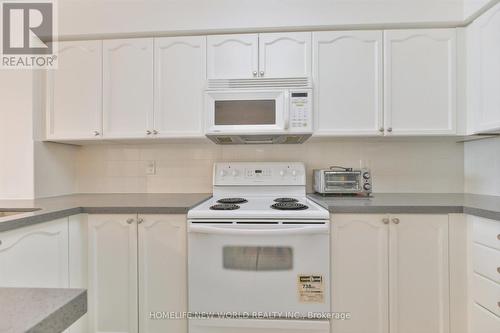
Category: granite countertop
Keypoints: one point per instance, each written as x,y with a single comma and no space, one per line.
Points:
57,207
414,203
179,203
40,310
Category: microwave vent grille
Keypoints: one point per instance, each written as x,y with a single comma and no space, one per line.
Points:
259,83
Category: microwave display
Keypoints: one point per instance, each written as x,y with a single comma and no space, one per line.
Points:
245,112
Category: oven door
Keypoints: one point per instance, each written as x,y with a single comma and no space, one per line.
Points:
245,268
258,326
246,112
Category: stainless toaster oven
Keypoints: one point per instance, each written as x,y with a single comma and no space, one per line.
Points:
340,180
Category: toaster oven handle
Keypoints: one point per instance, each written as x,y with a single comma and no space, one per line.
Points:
303,230
333,167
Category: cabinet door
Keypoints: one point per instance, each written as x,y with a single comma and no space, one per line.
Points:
112,291
485,71
285,54
419,274
35,256
74,106
232,56
348,82
127,87
420,81
162,271
360,269
180,76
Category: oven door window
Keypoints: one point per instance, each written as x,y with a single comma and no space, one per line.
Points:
339,181
257,258
245,112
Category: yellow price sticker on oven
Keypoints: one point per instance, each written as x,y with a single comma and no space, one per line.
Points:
310,288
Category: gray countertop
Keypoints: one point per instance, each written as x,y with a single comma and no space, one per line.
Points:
414,203
180,203
40,310
62,206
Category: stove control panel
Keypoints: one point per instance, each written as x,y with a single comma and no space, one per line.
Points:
264,173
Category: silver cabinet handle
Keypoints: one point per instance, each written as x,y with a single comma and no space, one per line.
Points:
130,221
96,133
395,220
498,270
389,129
148,132
261,73
381,129
385,220
140,220
155,132
254,73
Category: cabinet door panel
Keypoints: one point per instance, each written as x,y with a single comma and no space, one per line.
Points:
420,81
162,271
360,273
180,79
35,256
232,56
348,83
127,87
74,105
112,273
285,54
419,274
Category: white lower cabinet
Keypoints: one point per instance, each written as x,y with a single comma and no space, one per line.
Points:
137,265
389,272
35,256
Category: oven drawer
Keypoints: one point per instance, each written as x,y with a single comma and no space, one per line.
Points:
257,326
486,262
486,232
486,293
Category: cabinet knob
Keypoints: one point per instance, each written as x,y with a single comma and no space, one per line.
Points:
130,221
0,242
395,220
155,132
148,132
261,73
381,129
389,129
385,220
498,236
254,73
96,133
498,270
140,220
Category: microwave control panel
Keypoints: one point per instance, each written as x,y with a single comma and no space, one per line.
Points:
300,110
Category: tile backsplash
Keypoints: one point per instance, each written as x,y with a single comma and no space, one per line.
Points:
397,166
482,166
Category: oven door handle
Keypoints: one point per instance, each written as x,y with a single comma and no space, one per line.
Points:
302,230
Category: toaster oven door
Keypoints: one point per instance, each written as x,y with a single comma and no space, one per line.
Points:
342,181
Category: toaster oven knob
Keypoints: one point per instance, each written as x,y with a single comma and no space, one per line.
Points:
366,175
367,187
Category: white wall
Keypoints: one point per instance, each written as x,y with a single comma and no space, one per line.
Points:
16,145
428,166
95,17
482,167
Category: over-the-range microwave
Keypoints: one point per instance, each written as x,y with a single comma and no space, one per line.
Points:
258,111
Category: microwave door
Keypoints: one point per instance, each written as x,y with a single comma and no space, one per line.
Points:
246,112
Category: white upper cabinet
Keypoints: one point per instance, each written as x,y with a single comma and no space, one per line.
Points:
74,105
180,74
232,56
419,274
348,83
127,87
285,54
420,81
484,72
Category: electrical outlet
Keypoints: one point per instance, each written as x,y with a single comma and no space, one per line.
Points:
151,168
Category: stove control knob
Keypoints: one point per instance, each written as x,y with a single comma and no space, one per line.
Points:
367,187
234,173
366,175
222,173
294,173
282,173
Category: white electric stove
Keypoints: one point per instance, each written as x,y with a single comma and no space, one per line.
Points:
258,253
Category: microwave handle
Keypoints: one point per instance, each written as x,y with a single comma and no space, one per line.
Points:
303,230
